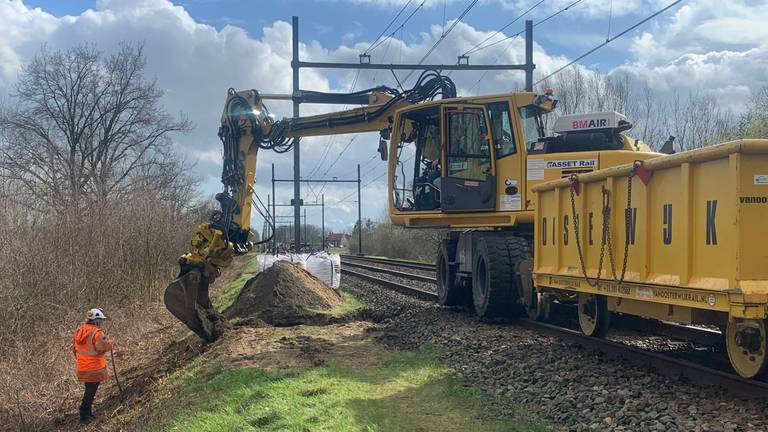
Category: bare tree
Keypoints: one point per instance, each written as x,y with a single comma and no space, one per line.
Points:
696,121
84,125
754,122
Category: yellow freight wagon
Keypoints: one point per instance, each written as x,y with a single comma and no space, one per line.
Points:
678,238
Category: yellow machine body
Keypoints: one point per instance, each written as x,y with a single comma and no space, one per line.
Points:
507,169
694,238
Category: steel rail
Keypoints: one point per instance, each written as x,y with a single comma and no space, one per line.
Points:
401,288
388,261
661,364
405,275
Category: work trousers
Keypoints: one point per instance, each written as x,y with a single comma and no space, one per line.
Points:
87,404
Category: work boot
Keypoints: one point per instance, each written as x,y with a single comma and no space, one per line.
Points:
87,417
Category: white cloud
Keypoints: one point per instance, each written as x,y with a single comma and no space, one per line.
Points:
707,47
703,45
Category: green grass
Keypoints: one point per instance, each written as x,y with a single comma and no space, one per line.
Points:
350,306
225,296
401,392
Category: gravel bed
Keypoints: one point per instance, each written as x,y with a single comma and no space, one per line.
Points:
625,331
533,376
427,286
430,273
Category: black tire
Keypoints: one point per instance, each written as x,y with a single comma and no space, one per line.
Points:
496,286
449,293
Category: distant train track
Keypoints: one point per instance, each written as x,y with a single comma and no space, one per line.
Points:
389,271
662,364
388,261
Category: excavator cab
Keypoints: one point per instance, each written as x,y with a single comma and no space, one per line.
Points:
468,178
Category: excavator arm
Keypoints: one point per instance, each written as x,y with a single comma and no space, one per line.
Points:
247,127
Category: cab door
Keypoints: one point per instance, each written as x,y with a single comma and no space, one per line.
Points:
468,180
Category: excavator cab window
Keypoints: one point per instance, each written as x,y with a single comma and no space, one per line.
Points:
501,126
418,161
530,120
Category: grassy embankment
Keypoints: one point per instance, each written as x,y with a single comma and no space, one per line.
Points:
400,391
378,391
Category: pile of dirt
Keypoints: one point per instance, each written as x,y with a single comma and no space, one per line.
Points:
283,295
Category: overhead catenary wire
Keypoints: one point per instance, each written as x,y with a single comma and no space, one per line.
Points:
475,48
535,25
330,167
479,80
443,36
332,138
388,26
609,40
400,27
370,182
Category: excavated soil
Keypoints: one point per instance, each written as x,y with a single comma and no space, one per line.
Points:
284,295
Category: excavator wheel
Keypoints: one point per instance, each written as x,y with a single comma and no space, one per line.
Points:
449,292
187,299
496,283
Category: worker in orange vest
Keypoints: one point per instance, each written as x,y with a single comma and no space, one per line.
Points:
89,344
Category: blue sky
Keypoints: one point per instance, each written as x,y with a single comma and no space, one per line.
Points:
196,49
337,22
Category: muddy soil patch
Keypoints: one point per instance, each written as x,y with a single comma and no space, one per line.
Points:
285,295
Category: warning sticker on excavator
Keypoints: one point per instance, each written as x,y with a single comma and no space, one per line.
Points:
536,169
510,202
761,179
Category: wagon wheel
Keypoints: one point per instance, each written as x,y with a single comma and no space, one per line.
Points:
594,316
746,344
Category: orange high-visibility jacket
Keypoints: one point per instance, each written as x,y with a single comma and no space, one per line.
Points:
89,343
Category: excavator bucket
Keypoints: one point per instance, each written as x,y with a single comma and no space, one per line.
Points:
187,299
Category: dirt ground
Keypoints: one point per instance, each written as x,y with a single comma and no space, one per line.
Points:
269,348
166,346
145,356
284,295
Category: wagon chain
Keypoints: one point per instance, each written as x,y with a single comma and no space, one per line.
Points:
606,216
606,233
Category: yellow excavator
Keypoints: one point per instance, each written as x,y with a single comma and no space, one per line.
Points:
456,163
587,216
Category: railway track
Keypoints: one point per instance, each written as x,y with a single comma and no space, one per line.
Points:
661,364
388,261
392,272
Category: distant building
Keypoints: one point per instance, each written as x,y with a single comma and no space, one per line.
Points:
336,240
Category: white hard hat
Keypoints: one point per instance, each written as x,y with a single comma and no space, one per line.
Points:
94,314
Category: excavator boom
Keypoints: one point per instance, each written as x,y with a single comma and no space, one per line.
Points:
247,127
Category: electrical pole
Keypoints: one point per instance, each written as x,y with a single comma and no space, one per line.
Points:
296,141
322,210
274,211
529,66
359,214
